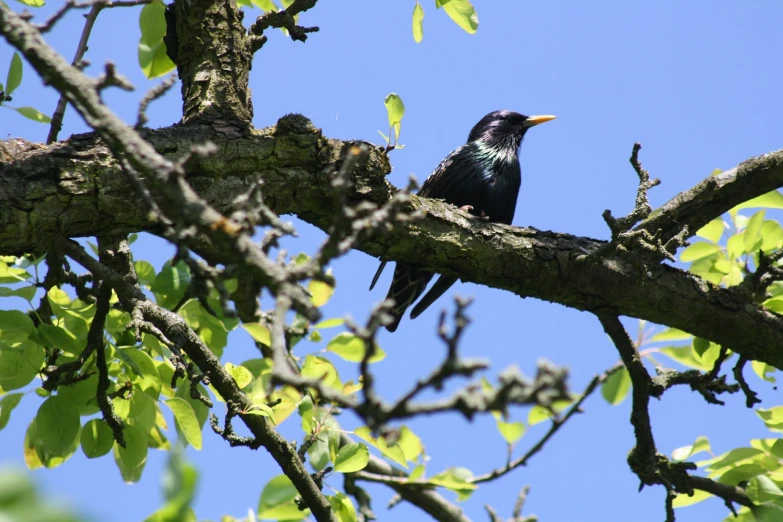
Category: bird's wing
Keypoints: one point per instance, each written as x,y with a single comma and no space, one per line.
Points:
378,274
438,289
408,284
441,183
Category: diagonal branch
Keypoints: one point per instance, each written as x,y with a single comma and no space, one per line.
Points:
176,329
651,467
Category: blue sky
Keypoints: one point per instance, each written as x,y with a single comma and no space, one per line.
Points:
695,82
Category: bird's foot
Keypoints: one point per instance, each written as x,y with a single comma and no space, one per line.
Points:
472,211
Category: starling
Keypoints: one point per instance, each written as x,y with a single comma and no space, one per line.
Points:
482,177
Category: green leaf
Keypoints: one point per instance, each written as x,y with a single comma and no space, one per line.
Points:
14,77
351,458
7,405
342,507
210,329
772,199
15,326
700,346
685,356
418,26
56,337
393,452
615,388
455,479
410,443
511,431
463,14
706,269
713,230
26,292
143,412
698,251
395,110
34,114
352,348
730,459
145,273
153,59
186,420
132,458
32,3
144,371
277,501
58,425
671,334
12,274
265,5
539,414
320,368
702,444
19,366
320,292
763,370
761,489
240,374
172,282
259,333
741,473
96,439
417,472
772,417
330,323
752,234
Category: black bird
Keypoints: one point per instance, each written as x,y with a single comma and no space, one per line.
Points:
481,176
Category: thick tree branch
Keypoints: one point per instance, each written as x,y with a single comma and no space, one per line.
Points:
76,189
715,195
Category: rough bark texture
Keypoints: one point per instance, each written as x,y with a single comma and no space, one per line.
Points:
76,189
207,41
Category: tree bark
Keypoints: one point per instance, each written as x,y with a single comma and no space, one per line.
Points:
76,189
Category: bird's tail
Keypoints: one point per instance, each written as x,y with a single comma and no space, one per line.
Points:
407,285
438,289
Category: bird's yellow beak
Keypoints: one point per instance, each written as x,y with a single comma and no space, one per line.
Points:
535,120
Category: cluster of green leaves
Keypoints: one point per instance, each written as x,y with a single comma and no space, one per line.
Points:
12,82
69,418
461,12
726,252
758,467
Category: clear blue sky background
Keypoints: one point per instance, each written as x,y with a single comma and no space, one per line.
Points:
697,83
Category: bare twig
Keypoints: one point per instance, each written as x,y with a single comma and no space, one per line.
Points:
642,208
751,397
81,48
95,343
557,423
285,19
152,95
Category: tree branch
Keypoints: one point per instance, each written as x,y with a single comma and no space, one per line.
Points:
37,201
651,467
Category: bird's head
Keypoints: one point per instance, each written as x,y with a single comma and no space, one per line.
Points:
504,129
